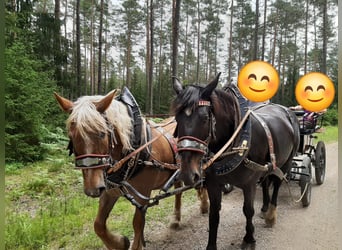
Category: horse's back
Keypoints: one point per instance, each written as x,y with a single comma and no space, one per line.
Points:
164,149
284,128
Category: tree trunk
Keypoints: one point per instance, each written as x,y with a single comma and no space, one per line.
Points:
78,50
99,71
175,35
230,59
325,37
65,72
275,34
151,57
57,43
91,63
185,63
161,58
264,32
256,30
198,39
306,36
148,54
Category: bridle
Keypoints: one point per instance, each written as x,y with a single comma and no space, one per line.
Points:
93,161
190,143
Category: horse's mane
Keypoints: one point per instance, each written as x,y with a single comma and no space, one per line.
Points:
87,119
188,98
224,105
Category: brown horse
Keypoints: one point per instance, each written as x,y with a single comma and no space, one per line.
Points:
106,134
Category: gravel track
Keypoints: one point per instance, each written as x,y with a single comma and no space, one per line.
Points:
310,228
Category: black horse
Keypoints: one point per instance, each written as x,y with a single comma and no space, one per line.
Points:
264,138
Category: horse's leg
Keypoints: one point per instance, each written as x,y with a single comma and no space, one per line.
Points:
106,203
138,225
215,198
271,214
248,210
177,209
265,194
202,195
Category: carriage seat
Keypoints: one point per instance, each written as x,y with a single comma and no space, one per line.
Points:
307,121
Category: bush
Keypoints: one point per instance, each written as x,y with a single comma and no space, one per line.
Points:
330,118
28,102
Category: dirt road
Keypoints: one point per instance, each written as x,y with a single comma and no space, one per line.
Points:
311,228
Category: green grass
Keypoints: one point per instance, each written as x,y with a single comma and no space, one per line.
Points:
329,134
47,209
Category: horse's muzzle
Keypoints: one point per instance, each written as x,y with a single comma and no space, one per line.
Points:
190,171
94,192
190,178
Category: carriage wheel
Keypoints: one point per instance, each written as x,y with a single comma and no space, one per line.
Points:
320,162
305,182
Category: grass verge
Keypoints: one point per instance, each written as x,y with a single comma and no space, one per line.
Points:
47,209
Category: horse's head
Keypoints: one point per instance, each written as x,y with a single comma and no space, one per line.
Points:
90,138
195,127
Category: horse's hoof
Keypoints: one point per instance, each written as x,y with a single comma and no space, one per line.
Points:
271,216
262,215
204,210
245,245
270,222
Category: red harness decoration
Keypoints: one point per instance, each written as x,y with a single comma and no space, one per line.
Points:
203,103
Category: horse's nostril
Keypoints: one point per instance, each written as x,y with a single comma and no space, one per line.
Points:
101,189
197,177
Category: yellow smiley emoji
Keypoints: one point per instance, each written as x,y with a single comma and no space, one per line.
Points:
315,91
258,81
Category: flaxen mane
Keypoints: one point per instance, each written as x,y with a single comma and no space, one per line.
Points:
86,119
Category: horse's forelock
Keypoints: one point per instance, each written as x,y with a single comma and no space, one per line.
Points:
188,98
86,119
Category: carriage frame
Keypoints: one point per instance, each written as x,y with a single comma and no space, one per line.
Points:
309,155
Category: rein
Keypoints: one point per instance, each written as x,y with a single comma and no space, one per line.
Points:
235,134
119,164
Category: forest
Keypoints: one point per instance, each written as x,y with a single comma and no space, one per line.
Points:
89,47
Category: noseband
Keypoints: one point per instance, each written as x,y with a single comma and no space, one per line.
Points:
190,143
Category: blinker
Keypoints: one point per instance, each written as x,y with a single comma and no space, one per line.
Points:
188,143
92,161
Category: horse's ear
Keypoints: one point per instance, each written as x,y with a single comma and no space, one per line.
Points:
210,87
177,85
104,103
64,103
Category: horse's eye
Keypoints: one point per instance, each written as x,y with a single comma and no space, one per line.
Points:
188,111
102,135
206,118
